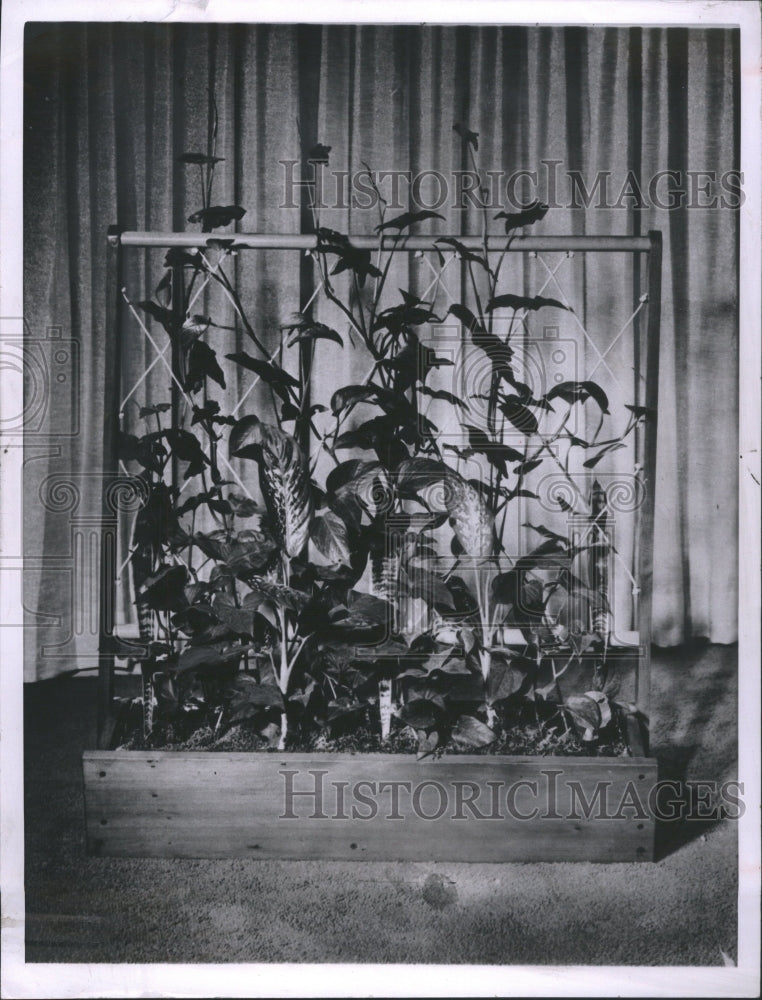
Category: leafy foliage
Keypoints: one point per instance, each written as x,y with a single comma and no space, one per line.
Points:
288,604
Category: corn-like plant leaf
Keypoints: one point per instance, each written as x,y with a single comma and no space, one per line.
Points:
471,519
283,475
496,453
271,373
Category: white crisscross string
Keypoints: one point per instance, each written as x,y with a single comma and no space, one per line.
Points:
257,378
565,300
641,303
185,396
206,280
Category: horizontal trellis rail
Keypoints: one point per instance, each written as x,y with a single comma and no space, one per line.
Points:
118,240
309,241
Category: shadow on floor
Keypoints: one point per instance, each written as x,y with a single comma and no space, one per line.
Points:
679,911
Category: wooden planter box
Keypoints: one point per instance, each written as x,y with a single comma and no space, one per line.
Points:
368,807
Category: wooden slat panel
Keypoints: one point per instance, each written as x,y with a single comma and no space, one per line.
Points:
214,805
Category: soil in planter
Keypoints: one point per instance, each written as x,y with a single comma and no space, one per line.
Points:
525,736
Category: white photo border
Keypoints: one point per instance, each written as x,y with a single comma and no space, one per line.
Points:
40,980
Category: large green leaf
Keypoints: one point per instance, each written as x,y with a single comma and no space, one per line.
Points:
445,663
217,215
187,447
532,302
275,376
573,392
470,516
470,732
331,537
416,474
421,713
283,475
248,697
348,473
504,679
496,453
162,315
249,552
532,213
202,364
408,219
310,331
585,711
198,657
519,415
350,395
164,590
462,251
277,593
498,352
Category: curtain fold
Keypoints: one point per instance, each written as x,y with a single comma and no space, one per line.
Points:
109,107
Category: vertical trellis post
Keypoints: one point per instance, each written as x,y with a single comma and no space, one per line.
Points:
178,316
111,419
645,560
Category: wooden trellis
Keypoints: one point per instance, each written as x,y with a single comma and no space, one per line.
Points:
645,317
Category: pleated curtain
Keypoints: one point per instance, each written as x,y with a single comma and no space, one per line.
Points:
109,108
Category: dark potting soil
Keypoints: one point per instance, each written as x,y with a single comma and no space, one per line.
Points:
523,739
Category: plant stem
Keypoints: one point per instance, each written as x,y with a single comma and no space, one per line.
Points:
385,706
283,676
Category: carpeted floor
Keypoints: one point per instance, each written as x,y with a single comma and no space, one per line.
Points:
679,911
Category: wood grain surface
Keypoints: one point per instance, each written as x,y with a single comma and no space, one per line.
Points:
371,807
